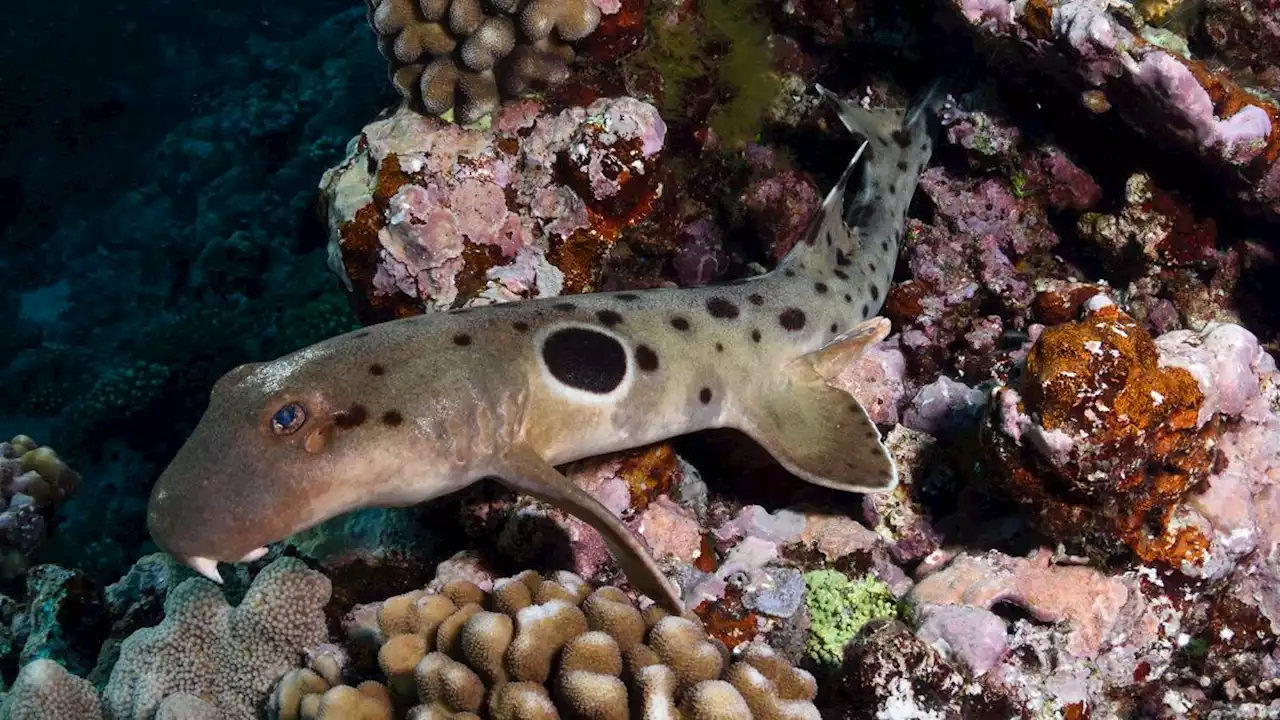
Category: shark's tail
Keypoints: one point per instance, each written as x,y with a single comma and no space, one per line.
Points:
897,145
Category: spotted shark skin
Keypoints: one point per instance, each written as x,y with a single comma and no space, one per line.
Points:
410,410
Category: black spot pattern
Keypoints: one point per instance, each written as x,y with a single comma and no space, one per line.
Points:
820,287
520,326
875,293
840,274
680,323
351,417
721,308
902,165
376,369
755,336
866,311
902,138
791,319
392,418
608,318
841,259
719,347
462,339
834,327
629,297
789,272
704,395
585,359
848,298
565,307
646,358
755,299
871,266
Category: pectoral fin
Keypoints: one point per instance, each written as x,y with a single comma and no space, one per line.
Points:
817,432
523,470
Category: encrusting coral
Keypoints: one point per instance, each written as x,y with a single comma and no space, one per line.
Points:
537,648
452,54
222,660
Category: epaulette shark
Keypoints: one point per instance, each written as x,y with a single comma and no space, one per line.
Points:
409,410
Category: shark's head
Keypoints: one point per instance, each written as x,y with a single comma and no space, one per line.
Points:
285,445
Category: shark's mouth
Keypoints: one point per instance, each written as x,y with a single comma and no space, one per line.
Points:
208,567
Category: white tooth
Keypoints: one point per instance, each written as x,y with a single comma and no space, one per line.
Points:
254,555
206,567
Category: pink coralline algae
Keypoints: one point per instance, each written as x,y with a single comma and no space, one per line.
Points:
424,213
1086,599
1089,48
780,206
965,260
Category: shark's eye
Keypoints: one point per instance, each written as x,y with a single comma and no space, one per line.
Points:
288,419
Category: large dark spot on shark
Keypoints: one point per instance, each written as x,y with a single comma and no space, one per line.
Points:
721,308
884,246
704,395
755,335
834,327
902,165
865,310
902,137
841,259
462,339
871,266
755,299
392,418
565,307
848,298
629,297
376,369
789,272
585,359
820,287
520,326
840,274
791,319
719,347
875,293
353,416
679,323
860,213
646,358
608,318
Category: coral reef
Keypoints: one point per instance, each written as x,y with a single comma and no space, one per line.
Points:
221,658
33,482
1100,440
1100,52
464,56
429,214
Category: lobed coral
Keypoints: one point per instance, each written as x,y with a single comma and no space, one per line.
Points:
535,647
466,56
33,481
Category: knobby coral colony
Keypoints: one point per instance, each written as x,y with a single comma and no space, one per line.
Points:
453,55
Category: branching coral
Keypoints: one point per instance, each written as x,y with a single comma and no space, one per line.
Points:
542,648
452,54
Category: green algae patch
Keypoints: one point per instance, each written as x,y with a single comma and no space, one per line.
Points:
724,47
838,608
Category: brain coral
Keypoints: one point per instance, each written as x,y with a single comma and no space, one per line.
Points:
45,690
537,648
222,660
452,54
